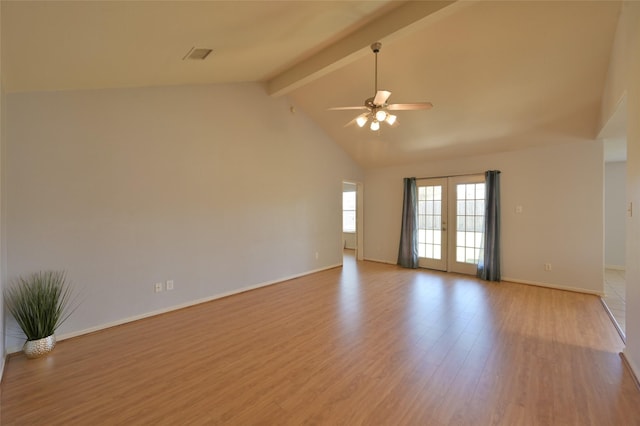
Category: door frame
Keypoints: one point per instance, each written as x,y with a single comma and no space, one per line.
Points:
448,263
452,264
359,217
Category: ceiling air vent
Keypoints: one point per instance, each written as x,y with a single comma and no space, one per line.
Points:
197,53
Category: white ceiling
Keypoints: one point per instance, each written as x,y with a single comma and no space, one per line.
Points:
58,45
501,75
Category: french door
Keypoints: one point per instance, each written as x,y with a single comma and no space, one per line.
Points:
432,223
450,223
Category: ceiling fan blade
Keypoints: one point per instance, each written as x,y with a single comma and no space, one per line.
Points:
408,107
347,108
381,97
350,123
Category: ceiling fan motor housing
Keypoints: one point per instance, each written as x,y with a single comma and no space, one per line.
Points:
370,104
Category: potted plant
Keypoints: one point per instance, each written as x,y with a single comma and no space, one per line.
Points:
40,303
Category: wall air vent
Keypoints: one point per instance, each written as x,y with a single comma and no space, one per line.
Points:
197,53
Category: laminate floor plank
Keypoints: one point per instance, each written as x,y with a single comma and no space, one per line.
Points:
365,344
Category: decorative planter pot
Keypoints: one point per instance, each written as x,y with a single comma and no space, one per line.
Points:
40,347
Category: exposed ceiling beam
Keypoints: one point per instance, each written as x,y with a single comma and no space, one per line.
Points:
401,20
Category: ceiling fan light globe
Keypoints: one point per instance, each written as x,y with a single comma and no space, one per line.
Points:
391,119
361,120
375,125
381,115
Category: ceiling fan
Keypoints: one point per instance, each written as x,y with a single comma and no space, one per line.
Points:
377,108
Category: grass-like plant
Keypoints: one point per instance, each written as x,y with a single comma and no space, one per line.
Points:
40,303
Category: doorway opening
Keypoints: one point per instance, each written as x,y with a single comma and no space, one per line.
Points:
616,212
352,219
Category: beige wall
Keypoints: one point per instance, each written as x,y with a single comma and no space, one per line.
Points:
615,84
561,223
615,213
2,227
623,80
218,188
631,60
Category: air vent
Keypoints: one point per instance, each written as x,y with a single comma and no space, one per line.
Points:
197,53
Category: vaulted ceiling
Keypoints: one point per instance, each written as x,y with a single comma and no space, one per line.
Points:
501,75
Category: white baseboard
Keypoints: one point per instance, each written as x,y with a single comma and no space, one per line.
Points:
633,369
3,361
180,306
554,286
615,267
514,280
369,259
613,320
253,287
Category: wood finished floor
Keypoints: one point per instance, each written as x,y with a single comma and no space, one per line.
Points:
364,344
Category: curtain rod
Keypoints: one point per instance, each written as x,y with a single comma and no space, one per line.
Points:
448,176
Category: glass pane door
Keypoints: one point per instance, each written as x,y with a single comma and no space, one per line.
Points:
458,201
432,220
468,206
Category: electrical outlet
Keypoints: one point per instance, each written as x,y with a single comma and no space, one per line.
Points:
547,266
169,285
317,255
158,287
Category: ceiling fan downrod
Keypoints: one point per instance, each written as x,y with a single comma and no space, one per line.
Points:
375,47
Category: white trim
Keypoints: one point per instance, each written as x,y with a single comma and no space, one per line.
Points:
633,369
615,267
513,280
613,320
3,362
555,286
359,221
368,259
180,306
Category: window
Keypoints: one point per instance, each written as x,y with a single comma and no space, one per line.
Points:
348,212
